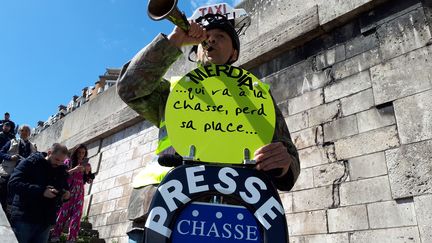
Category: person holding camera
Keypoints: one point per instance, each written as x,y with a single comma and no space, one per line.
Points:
70,213
39,186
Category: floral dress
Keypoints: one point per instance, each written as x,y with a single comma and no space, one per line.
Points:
71,211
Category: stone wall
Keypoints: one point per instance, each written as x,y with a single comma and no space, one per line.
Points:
353,79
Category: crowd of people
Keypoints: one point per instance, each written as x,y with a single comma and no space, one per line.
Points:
42,193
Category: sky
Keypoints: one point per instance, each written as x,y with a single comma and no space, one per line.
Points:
51,49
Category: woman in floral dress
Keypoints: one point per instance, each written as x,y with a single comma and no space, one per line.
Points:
71,211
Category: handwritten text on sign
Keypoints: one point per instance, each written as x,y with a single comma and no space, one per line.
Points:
221,110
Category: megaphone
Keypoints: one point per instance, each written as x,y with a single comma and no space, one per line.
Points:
167,9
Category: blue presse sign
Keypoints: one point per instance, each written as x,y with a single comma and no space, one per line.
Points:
215,223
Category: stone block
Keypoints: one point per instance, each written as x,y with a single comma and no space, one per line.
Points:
102,175
365,191
316,80
95,187
123,239
316,155
100,197
271,43
356,64
115,192
7,235
117,217
367,166
95,209
414,116
321,238
87,203
283,107
308,137
324,113
95,162
347,219
124,157
122,203
357,102
100,220
375,118
391,214
305,101
361,44
286,198
305,180
329,57
127,189
423,208
365,143
107,184
340,128
108,206
404,34
314,222
325,59
297,122
104,231
141,150
118,169
313,199
93,148
332,10
109,153
293,77
3,219
409,169
123,147
395,235
402,76
118,229
325,175
123,179
347,86
107,164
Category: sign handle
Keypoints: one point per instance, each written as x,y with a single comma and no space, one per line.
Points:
191,156
247,160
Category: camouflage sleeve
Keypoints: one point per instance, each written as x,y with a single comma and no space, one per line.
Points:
282,134
141,84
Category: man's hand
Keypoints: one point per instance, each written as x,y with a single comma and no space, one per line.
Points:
194,36
15,157
50,192
273,156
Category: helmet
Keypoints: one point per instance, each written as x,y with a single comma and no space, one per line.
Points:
218,21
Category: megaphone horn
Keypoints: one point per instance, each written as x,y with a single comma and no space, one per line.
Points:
167,9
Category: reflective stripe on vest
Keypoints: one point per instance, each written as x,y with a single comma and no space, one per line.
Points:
150,175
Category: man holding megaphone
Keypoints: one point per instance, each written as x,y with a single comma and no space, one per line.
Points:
142,86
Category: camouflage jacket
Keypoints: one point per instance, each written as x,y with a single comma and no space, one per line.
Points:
142,86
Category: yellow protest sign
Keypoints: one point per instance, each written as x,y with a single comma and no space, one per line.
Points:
221,110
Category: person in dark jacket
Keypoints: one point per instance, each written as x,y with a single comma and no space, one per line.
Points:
8,120
10,155
6,135
39,185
